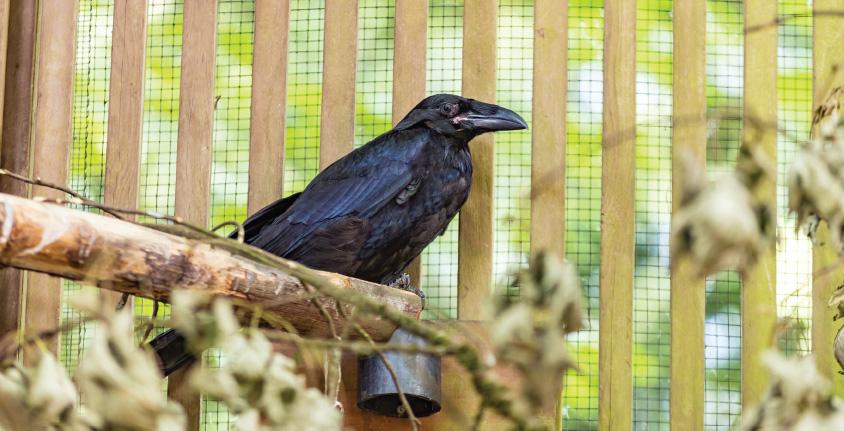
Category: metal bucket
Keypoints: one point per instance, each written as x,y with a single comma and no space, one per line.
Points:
418,376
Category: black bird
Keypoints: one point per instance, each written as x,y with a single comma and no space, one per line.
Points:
370,213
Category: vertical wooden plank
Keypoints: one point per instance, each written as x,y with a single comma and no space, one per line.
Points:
409,75
474,256
18,65
125,111
548,146
193,154
56,48
615,388
269,100
688,292
826,265
337,118
548,150
759,283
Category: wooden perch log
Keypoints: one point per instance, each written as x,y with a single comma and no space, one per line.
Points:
126,257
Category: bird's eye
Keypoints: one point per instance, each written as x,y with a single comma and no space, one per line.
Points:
449,109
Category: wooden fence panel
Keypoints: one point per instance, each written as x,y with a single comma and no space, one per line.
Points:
55,54
759,284
474,256
337,119
126,108
269,102
615,350
19,18
688,292
193,154
409,73
828,56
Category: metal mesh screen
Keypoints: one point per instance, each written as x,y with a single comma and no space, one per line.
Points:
444,73
89,126
583,201
651,295
513,149
376,23
374,74
304,93
724,86
230,156
794,250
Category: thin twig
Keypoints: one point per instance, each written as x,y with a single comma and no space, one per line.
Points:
82,200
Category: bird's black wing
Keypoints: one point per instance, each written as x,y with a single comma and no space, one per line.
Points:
358,185
252,226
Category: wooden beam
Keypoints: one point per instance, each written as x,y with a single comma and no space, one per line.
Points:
409,73
193,154
759,283
56,48
125,257
618,191
828,55
18,65
269,100
474,256
337,119
548,140
548,148
688,292
126,107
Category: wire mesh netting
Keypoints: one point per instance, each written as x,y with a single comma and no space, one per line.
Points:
513,149
794,250
722,329
304,93
444,75
87,154
230,156
374,74
583,201
651,295
376,25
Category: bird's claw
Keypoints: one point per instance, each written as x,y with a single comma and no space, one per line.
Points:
404,283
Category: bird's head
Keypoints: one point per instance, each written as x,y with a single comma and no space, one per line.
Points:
460,117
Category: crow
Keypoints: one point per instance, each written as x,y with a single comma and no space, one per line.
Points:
370,213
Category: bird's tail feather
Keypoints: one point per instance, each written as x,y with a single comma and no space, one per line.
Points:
172,351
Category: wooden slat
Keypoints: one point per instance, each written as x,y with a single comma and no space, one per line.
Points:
615,389
269,100
126,106
548,151
688,292
759,283
193,156
826,265
18,64
409,76
337,119
474,256
52,140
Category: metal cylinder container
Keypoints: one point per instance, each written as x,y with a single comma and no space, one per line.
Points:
418,376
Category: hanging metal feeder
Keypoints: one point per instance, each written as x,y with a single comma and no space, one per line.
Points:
418,376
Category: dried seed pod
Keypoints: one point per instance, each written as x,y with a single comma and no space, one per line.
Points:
799,399
529,331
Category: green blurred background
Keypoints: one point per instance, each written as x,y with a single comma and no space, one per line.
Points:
512,165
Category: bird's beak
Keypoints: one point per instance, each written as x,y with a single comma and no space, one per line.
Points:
486,117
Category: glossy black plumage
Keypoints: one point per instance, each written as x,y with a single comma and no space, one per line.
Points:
370,213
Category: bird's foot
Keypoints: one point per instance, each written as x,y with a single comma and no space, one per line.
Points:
404,283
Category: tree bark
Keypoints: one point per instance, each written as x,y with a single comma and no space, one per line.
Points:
125,257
